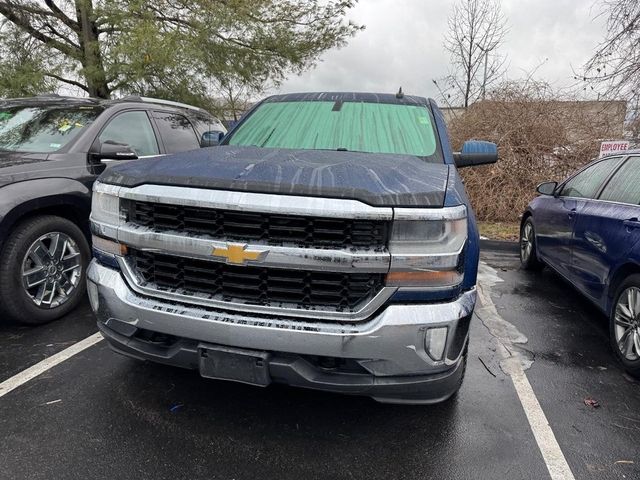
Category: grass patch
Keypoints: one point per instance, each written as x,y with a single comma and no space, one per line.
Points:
500,230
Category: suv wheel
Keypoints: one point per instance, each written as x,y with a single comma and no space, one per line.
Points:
624,325
43,270
528,252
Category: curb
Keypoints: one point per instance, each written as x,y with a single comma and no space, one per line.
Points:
500,245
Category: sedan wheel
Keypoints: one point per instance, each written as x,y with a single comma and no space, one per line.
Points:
526,242
627,324
528,253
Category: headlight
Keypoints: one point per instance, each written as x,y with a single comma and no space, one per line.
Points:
105,205
428,237
426,245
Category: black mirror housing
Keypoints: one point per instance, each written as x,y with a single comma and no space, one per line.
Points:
476,152
110,150
547,188
211,138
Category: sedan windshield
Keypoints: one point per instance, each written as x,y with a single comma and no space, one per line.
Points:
42,128
349,125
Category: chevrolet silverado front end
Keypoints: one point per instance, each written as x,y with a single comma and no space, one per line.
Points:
299,261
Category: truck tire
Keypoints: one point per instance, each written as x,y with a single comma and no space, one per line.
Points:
43,266
624,324
528,251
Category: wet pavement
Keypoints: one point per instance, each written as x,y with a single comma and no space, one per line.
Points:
99,415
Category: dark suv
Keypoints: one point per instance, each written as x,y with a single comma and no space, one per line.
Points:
52,148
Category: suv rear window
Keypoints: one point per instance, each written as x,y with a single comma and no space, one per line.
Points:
352,126
42,128
176,132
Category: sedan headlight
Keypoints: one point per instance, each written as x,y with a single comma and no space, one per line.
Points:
105,205
426,245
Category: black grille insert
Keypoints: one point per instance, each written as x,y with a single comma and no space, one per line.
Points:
257,285
273,229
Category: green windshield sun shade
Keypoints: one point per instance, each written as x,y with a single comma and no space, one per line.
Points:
354,126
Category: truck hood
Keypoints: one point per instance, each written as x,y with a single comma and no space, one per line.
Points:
376,179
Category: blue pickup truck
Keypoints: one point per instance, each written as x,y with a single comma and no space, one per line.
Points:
327,243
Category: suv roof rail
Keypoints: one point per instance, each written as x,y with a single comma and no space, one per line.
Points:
48,97
138,98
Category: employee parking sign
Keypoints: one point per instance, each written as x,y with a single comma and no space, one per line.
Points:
612,147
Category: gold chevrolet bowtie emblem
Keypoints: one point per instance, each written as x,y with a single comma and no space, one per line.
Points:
237,254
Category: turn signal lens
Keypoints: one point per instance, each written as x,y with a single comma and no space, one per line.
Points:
446,278
108,246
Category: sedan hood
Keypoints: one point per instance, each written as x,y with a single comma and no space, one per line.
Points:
376,179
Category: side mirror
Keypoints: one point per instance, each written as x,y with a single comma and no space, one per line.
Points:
110,150
547,188
476,152
211,138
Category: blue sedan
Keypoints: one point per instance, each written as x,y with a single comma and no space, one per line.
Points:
588,230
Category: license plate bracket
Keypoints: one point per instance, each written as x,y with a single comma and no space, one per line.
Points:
235,364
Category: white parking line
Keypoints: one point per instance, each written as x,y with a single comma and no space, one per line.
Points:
511,364
50,362
551,452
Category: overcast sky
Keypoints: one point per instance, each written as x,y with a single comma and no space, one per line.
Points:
402,45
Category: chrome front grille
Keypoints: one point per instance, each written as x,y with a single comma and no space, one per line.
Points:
267,228
342,292
277,255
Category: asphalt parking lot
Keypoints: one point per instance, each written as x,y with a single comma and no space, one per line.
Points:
99,415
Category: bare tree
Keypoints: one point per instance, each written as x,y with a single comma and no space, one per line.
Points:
616,62
476,29
233,97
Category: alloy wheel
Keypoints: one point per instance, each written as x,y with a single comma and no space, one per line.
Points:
627,323
526,241
51,269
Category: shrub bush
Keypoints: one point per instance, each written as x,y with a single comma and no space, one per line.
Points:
541,136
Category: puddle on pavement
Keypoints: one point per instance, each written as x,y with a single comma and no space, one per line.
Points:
504,332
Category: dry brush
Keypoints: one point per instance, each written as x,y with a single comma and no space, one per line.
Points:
540,135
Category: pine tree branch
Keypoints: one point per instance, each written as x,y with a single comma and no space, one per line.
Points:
11,13
68,81
60,15
61,36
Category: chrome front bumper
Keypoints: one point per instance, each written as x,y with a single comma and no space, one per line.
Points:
390,346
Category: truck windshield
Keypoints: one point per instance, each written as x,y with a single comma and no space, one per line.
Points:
351,126
42,128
